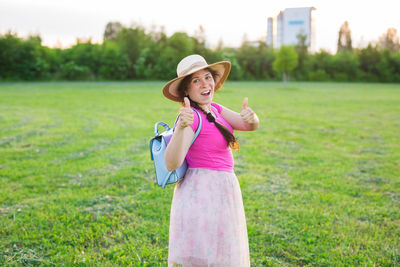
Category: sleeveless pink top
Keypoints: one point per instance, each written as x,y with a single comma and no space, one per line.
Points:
210,150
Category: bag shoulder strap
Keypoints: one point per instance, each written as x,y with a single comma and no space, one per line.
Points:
198,127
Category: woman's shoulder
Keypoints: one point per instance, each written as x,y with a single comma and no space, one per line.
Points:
217,106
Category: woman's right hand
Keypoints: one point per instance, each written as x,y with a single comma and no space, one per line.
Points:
181,139
186,115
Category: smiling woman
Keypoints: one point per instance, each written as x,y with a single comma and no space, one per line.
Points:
207,221
198,88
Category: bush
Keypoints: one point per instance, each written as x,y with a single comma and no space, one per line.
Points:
340,77
134,53
318,75
114,64
21,59
72,71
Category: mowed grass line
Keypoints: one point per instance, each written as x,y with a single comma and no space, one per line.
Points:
320,178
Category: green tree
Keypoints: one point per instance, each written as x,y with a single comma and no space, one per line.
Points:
178,46
144,67
389,66
302,51
345,66
227,54
286,60
390,40
318,66
150,63
344,41
395,62
369,60
112,30
21,59
71,71
84,54
255,59
199,42
182,44
114,64
132,41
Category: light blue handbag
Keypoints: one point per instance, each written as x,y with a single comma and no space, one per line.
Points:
157,150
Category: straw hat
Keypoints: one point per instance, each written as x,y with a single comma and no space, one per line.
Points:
190,65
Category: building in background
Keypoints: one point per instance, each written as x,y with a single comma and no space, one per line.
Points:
270,31
284,29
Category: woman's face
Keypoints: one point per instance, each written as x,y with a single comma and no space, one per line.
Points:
201,87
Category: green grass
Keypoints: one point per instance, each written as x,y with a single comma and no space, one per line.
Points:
320,178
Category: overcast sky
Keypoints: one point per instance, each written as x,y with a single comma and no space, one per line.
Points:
62,21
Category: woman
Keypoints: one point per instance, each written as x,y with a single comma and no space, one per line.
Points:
207,222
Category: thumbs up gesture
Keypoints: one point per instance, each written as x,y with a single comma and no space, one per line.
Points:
248,115
186,115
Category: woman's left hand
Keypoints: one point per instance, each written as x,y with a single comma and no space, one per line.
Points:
248,114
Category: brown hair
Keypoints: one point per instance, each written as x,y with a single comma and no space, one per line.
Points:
228,136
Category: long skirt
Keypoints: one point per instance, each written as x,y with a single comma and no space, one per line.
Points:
207,221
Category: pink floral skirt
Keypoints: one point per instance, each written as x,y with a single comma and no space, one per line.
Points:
207,222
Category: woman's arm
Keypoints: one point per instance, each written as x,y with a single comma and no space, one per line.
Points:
181,139
247,120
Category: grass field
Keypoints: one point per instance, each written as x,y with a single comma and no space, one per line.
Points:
320,179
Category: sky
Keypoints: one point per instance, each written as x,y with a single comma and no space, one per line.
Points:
61,22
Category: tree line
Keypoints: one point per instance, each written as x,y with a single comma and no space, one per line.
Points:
136,53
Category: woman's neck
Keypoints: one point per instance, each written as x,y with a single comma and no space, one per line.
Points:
206,107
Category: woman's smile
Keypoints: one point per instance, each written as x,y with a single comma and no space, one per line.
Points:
201,87
206,93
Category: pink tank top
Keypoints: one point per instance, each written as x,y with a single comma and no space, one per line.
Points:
210,150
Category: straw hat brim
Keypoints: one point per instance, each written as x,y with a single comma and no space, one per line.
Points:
222,68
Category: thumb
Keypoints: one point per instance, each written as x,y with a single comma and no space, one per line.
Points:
245,101
187,102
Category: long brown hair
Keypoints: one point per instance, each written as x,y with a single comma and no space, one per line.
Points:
182,91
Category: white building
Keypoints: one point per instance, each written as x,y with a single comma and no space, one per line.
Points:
270,30
283,30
